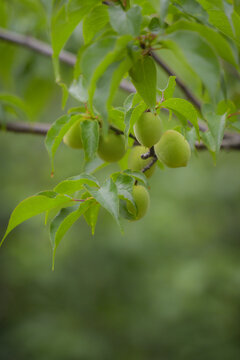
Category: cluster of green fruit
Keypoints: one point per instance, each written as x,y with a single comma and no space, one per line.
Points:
170,147
111,148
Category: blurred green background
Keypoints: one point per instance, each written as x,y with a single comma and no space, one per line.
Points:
168,289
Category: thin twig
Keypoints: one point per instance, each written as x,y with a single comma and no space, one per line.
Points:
189,95
150,153
149,165
82,200
234,114
120,132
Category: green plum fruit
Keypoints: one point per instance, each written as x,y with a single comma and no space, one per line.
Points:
142,200
73,137
148,129
111,147
173,149
135,162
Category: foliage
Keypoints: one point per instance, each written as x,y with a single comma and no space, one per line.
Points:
115,41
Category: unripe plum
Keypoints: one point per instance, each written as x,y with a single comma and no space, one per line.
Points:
135,162
173,149
73,137
142,200
148,129
111,147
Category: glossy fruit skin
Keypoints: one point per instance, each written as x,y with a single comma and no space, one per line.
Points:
148,129
73,137
135,162
173,149
142,200
111,147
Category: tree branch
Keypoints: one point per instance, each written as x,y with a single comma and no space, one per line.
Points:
39,128
25,127
189,95
35,45
120,132
41,47
230,142
70,59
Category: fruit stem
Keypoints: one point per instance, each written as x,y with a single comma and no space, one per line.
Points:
149,165
82,200
150,153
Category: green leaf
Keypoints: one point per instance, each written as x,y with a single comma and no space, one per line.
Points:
160,165
124,185
216,124
94,22
236,4
236,23
144,78
65,94
103,65
91,216
51,214
95,165
183,108
200,57
208,140
132,116
63,24
107,86
137,175
16,103
126,22
216,40
116,116
56,133
90,138
170,88
191,137
107,197
77,110
128,101
78,91
217,17
62,223
118,75
124,211
33,206
164,5
149,7
101,94
123,162
114,56
3,14
75,183
155,25
226,106
93,56
77,67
